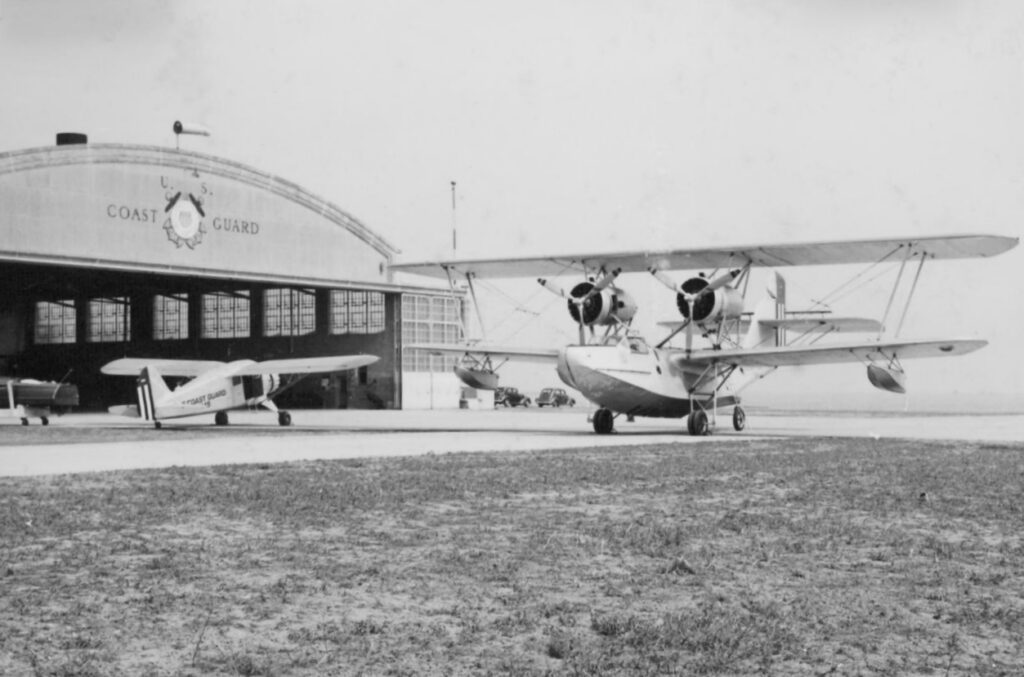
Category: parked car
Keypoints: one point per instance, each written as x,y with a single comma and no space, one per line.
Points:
554,397
510,397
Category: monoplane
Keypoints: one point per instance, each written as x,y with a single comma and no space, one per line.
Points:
215,387
620,372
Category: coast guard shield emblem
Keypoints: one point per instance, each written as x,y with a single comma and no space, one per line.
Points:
184,225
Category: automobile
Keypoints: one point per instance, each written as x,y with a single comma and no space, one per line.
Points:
510,397
554,397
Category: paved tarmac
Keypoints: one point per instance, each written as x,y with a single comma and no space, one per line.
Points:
98,442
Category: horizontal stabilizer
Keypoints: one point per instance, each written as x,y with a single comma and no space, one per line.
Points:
825,354
307,365
493,351
130,410
132,366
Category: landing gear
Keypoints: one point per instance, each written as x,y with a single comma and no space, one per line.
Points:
220,418
24,421
158,425
44,420
739,418
284,418
697,423
604,421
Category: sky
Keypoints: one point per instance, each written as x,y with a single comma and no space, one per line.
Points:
582,126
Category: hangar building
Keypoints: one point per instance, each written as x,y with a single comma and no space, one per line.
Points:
114,250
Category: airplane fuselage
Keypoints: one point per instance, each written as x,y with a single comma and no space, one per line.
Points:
633,378
214,391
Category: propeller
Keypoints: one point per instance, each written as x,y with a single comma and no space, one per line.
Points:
580,301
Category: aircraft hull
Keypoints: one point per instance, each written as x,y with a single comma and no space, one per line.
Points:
642,384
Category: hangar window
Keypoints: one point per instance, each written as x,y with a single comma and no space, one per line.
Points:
55,322
170,317
356,312
109,319
226,315
430,319
289,312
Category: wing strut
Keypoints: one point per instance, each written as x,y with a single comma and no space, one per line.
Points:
913,287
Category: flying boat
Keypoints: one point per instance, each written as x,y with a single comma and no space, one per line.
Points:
624,374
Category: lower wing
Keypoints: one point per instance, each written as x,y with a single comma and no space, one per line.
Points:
492,351
864,351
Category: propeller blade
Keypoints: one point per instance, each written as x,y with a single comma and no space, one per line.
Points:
663,278
602,284
689,327
552,287
721,281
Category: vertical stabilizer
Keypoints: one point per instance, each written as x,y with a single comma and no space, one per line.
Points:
150,389
780,309
771,307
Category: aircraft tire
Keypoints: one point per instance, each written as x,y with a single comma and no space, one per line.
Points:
220,418
739,418
44,420
604,421
697,423
158,425
24,421
284,418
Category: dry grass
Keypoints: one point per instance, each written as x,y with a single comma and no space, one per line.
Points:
802,557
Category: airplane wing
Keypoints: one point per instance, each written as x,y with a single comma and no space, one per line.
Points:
131,366
824,323
825,354
498,352
306,365
771,255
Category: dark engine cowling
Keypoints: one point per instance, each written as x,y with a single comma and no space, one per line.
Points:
709,308
609,306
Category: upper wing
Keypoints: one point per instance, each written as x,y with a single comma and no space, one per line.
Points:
131,366
307,365
773,255
498,352
825,354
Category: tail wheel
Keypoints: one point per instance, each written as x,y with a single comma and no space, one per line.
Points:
284,418
604,421
739,419
220,418
697,423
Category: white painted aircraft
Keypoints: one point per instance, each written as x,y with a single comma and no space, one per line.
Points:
622,374
216,387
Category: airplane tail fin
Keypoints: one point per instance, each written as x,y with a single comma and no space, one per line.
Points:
773,306
150,389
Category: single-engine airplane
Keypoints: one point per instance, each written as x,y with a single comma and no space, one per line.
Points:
26,398
622,374
216,387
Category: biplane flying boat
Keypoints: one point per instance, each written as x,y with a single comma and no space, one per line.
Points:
215,387
621,373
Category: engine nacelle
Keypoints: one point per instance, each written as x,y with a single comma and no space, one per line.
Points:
710,308
608,307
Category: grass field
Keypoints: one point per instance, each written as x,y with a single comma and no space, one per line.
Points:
807,557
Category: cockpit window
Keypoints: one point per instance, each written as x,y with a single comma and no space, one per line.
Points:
638,346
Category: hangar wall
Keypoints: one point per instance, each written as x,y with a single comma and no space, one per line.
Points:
140,207
106,246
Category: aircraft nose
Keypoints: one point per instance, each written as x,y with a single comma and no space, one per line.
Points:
564,368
